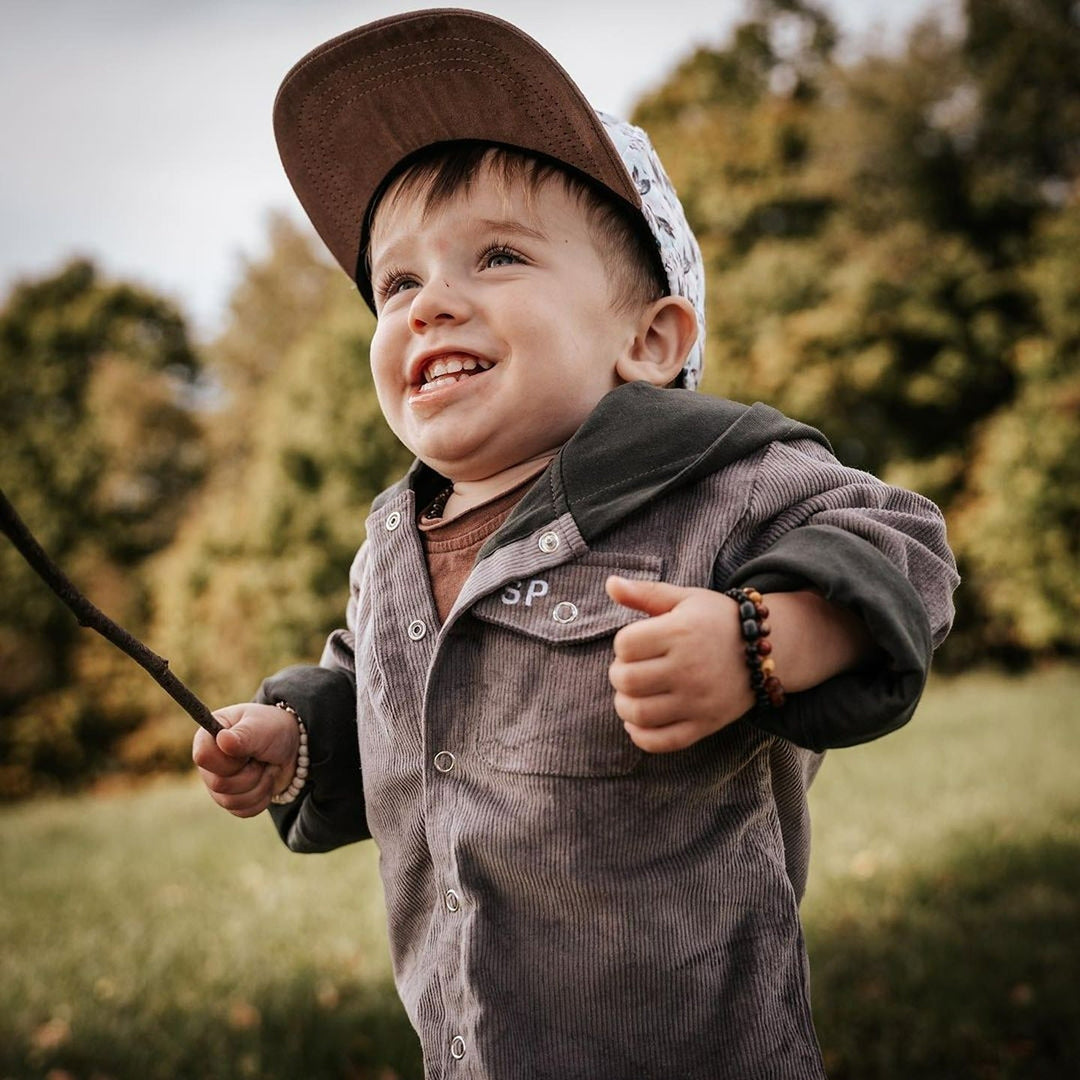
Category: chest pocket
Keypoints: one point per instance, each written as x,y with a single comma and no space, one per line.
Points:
548,706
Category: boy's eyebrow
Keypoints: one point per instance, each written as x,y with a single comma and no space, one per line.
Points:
508,226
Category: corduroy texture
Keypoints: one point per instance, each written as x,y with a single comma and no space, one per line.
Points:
617,914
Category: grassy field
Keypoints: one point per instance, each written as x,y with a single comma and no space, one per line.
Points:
148,935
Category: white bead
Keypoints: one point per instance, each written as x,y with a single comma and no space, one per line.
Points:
300,772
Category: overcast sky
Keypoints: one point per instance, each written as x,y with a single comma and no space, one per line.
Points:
138,131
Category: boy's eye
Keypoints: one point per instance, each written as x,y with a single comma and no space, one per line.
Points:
500,256
394,282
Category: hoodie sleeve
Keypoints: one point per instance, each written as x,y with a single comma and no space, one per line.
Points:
879,550
329,811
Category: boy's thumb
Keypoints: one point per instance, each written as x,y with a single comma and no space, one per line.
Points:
650,597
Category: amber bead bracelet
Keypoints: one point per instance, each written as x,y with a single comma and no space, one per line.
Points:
768,691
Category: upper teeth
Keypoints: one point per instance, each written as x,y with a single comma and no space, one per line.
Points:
451,365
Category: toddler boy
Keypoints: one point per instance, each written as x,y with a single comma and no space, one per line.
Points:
599,636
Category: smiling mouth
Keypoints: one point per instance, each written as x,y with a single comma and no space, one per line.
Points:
445,370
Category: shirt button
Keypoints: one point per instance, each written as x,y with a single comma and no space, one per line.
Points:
453,901
444,761
548,542
393,520
457,1048
417,630
564,612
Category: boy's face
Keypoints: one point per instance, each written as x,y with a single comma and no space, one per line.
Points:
496,332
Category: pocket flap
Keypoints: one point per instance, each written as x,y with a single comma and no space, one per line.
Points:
568,603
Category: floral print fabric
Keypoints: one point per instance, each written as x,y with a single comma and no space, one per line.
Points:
679,251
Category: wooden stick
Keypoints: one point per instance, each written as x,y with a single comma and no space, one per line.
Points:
89,615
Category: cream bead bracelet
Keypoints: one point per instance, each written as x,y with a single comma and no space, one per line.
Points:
299,778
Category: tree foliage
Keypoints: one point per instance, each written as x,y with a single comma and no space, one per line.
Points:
101,450
892,247
1018,519
892,253
259,575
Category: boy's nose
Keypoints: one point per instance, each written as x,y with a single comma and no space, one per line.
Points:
438,301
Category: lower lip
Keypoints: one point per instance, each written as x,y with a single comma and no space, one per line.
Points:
418,397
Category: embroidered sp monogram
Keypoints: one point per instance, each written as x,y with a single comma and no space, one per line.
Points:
534,589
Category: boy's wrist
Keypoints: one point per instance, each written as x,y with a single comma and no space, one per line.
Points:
814,639
294,777
753,613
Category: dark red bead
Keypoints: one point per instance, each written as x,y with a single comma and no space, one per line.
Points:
763,647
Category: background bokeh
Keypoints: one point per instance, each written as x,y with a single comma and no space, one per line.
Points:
138,131
888,200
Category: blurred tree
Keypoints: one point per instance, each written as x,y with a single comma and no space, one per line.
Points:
1020,106
1018,521
892,247
886,255
277,300
259,574
101,450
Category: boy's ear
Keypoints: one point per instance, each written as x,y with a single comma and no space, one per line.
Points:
667,330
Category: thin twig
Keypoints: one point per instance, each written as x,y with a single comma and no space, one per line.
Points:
89,615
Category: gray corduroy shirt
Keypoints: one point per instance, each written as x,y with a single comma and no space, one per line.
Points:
560,903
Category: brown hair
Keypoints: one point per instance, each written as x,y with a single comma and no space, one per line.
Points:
437,173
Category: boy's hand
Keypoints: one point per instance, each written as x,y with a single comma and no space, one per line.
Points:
251,760
679,675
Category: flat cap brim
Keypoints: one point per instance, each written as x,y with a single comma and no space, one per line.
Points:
351,111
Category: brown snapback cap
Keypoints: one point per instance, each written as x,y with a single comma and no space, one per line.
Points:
354,108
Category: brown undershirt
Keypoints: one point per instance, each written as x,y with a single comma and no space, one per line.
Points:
451,547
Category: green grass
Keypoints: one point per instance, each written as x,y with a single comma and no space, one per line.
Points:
150,935
943,910
147,934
